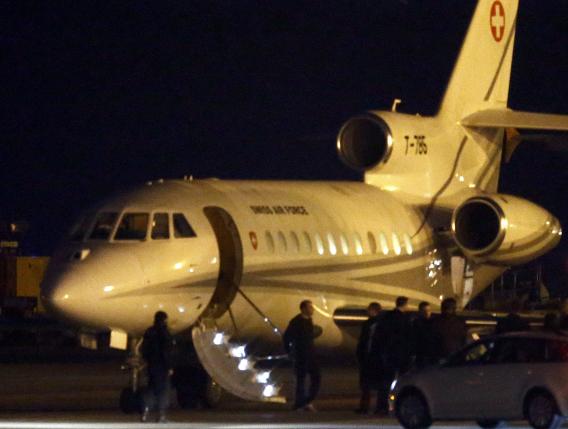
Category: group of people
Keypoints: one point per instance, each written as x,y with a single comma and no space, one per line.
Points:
392,342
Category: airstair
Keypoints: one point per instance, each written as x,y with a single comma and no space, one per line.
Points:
233,367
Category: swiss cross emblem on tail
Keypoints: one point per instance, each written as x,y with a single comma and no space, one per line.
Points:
497,20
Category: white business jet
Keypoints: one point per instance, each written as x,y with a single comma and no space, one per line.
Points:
231,260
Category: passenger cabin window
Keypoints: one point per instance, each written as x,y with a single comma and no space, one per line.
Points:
384,243
269,241
408,244
104,224
358,243
182,228
295,242
319,244
282,245
331,244
160,226
344,244
518,350
396,244
133,226
307,242
476,354
372,242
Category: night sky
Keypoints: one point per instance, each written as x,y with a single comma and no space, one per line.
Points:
97,96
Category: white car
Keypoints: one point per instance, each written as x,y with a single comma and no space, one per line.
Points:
508,377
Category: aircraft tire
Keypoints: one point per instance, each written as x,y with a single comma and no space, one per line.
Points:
130,401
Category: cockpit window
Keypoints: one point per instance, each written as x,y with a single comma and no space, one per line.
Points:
104,225
81,228
160,227
133,226
182,228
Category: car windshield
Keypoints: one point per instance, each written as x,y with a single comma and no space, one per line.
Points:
133,226
104,224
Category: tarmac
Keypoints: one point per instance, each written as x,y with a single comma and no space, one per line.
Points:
58,390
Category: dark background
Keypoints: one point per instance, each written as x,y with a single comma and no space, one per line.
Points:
97,96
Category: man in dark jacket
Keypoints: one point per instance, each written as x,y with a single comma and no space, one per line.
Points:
367,357
157,349
512,322
394,338
421,334
449,332
299,344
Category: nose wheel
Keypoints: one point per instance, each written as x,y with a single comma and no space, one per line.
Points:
131,396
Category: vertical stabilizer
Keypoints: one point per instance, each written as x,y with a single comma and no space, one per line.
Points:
480,78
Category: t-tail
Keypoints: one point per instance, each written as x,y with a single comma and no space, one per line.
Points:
449,163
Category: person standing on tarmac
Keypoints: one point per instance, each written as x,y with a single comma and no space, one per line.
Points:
299,344
448,331
512,322
368,358
421,334
395,344
157,348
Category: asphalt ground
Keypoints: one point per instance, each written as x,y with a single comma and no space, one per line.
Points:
74,391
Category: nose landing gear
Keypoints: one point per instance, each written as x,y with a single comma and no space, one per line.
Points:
131,397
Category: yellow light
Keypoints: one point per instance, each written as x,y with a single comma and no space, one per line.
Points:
178,265
390,188
108,288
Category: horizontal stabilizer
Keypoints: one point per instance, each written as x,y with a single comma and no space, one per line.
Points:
502,118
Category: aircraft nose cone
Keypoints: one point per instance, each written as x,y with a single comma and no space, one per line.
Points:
63,292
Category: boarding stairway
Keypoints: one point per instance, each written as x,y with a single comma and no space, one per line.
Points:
233,367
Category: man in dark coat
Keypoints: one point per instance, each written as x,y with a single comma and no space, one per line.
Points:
421,334
449,332
367,357
299,344
512,322
394,338
157,349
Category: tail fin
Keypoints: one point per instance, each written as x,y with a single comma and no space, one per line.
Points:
480,78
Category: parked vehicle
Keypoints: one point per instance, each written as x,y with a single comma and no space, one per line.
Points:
509,377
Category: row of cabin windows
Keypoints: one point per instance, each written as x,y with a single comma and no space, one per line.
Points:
133,226
333,244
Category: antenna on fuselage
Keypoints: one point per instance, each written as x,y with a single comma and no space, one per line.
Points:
395,103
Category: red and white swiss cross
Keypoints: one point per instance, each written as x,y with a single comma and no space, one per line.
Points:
497,20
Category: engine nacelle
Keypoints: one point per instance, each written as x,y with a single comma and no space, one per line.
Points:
364,142
503,229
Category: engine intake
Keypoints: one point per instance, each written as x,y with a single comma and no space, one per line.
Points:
364,142
503,229
478,225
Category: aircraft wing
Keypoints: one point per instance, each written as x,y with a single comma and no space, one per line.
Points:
504,118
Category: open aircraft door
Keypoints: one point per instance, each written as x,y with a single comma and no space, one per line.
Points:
230,263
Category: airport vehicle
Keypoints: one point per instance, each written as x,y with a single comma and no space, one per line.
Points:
509,377
231,260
